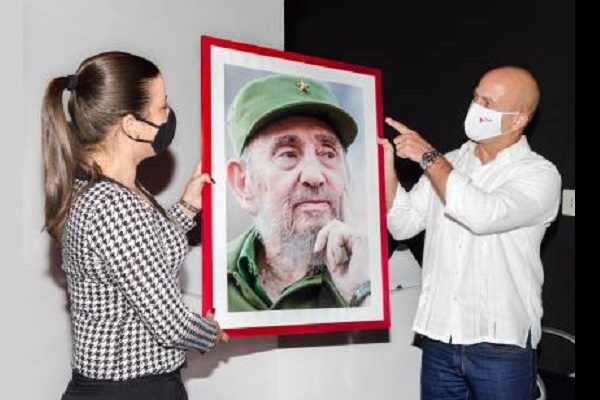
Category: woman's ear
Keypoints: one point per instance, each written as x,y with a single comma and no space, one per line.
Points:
237,176
128,124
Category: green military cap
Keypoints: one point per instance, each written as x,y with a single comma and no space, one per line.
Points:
275,97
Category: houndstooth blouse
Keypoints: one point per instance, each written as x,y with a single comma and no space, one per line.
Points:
122,259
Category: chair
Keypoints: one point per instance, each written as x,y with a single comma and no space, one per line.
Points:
568,381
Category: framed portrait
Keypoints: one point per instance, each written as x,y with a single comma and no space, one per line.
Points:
293,230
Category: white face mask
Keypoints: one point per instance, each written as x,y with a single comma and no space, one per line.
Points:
482,123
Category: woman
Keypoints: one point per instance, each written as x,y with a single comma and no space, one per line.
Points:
121,250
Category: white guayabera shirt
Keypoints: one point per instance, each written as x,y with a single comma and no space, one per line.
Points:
482,272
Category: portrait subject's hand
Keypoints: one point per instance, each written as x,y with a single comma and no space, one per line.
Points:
221,335
409,144
346,254
193,189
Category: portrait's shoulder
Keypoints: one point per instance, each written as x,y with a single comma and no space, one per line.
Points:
235,246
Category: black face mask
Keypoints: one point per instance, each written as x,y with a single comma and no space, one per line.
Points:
165,134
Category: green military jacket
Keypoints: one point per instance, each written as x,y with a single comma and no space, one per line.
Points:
246,293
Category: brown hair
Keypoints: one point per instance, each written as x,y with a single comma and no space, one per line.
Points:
105,88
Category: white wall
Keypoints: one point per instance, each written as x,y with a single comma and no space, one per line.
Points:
57,35
366,365
12,276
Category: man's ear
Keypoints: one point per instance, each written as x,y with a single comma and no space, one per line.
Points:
238,180
521,120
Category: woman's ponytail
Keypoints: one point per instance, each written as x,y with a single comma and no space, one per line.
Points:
61,153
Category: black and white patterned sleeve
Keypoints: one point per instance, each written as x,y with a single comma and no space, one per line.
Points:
122,231
186,223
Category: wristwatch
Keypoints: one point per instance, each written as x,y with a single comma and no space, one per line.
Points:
429,158
360,294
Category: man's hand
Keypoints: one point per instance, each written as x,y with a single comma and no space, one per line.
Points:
409,144
346,255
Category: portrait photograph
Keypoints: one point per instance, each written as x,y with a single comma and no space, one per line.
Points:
293,229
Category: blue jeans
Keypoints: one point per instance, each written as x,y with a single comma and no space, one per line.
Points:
483,371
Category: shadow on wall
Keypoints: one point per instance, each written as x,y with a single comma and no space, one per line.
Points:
55,270
203,365
341,338
55,265
156,173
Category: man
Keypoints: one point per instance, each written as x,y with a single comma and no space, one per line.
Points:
485,208
291,176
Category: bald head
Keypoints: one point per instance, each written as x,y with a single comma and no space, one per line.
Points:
515,87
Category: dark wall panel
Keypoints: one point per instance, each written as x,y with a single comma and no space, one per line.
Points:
432,55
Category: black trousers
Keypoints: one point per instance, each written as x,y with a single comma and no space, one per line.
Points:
155,387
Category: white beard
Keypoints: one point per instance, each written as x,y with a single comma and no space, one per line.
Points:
297,242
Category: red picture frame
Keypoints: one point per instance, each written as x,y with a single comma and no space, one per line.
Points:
226,67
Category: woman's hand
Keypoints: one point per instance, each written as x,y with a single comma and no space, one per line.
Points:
193,190
221,335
